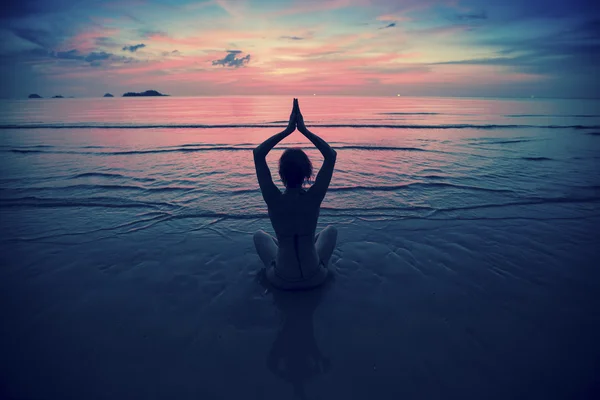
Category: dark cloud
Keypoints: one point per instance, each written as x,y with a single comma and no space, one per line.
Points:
38,37
471,16
134,48
53,37
35,53
393,24
321,54
171,53
147,33
69,55
566,59
94,58
579,65
578,40
562,54
587,30
230,60
97,56
105,41
291,37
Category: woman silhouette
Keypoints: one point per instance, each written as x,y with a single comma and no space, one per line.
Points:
297,259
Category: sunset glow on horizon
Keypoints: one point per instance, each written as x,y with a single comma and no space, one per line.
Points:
294,47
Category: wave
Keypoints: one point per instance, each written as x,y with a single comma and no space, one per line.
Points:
77,176
368,212
525,202
240,126
37,146
203,144
411,208
255,190
237,148
129,152
108,202
409,113
536,158
382,148
435,177
393,188
109,175
502,142
107,187
416,185
162,211
96,174
593,133
24,151
191,149
553,115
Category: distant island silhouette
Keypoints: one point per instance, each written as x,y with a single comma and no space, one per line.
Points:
108,95
149,93
35,96
58,97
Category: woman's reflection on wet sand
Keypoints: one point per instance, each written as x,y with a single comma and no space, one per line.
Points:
295,356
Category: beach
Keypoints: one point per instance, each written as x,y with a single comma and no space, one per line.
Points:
466,264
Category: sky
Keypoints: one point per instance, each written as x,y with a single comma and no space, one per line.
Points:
478,48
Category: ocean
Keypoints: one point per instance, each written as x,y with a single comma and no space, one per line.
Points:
466,264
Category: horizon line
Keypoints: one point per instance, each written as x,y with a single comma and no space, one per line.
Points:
295,96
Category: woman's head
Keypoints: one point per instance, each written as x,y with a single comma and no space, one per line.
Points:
295,168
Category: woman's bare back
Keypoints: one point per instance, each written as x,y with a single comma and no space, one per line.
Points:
294,218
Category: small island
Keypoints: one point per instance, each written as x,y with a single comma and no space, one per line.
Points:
108,95
35,96
58,97
147,93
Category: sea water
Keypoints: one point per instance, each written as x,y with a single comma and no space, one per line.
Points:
466,256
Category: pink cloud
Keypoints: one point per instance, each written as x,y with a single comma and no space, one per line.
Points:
394,18
86,41
208,39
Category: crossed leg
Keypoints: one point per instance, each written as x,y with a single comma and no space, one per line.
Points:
325,243
266,247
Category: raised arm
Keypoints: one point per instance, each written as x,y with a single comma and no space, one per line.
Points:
319,189
265,181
